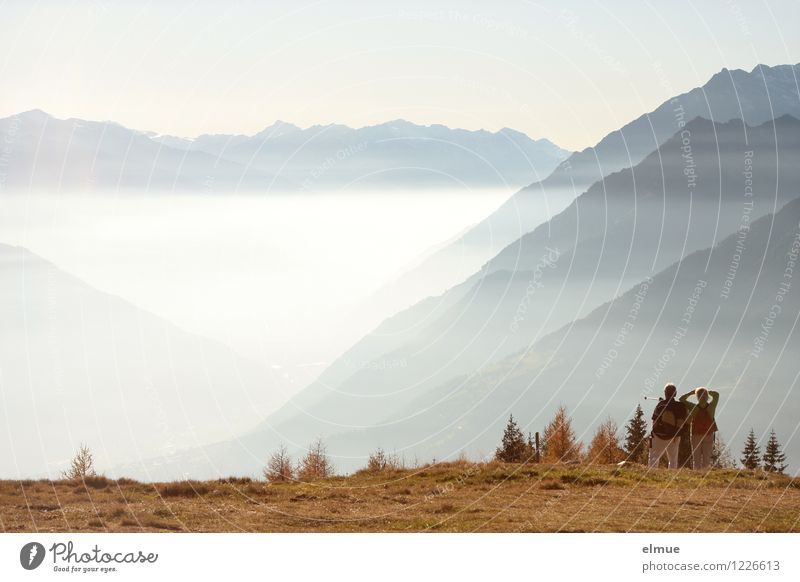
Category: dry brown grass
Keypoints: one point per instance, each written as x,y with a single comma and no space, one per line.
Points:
458,496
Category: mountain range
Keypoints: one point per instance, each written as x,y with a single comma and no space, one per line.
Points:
396,154
757,96
690,203
669,246
709,319
44,152
631,226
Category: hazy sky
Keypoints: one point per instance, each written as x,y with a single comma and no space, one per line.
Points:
567,71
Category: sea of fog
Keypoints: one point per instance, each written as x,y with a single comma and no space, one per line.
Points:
278,278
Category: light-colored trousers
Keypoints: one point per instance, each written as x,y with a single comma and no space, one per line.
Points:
660,446
702,445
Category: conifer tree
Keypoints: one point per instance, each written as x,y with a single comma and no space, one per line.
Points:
636,443
774,459
513,448
751,454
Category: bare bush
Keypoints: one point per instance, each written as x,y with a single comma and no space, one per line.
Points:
381,461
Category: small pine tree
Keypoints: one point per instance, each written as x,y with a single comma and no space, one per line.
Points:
774,459
636,442
720,455
315,465
751,454
82,465
604,448
279,467
513,448
560,442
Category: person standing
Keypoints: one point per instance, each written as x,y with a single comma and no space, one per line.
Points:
703,423
669,418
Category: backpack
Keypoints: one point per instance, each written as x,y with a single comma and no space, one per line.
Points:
668,419
702,422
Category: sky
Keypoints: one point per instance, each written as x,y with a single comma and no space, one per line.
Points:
568,71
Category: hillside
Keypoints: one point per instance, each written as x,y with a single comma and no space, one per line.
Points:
453,497
680,325
619,232
80,365
755,97
572,366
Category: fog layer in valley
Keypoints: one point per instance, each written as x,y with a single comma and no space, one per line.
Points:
195,315
272,276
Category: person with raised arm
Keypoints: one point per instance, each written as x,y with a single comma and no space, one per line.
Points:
703,424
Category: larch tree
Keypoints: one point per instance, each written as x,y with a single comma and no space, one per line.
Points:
279,467
315,464
560,442
82,464
604,448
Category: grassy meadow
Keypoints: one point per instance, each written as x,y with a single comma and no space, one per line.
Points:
443,497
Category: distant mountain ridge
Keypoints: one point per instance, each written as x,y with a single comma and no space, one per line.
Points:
48,153
395,154
45,153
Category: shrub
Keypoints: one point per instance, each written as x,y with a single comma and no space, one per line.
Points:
96,481
183,489
380,461
235,480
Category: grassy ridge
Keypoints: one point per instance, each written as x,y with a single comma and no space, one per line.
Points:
458,496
